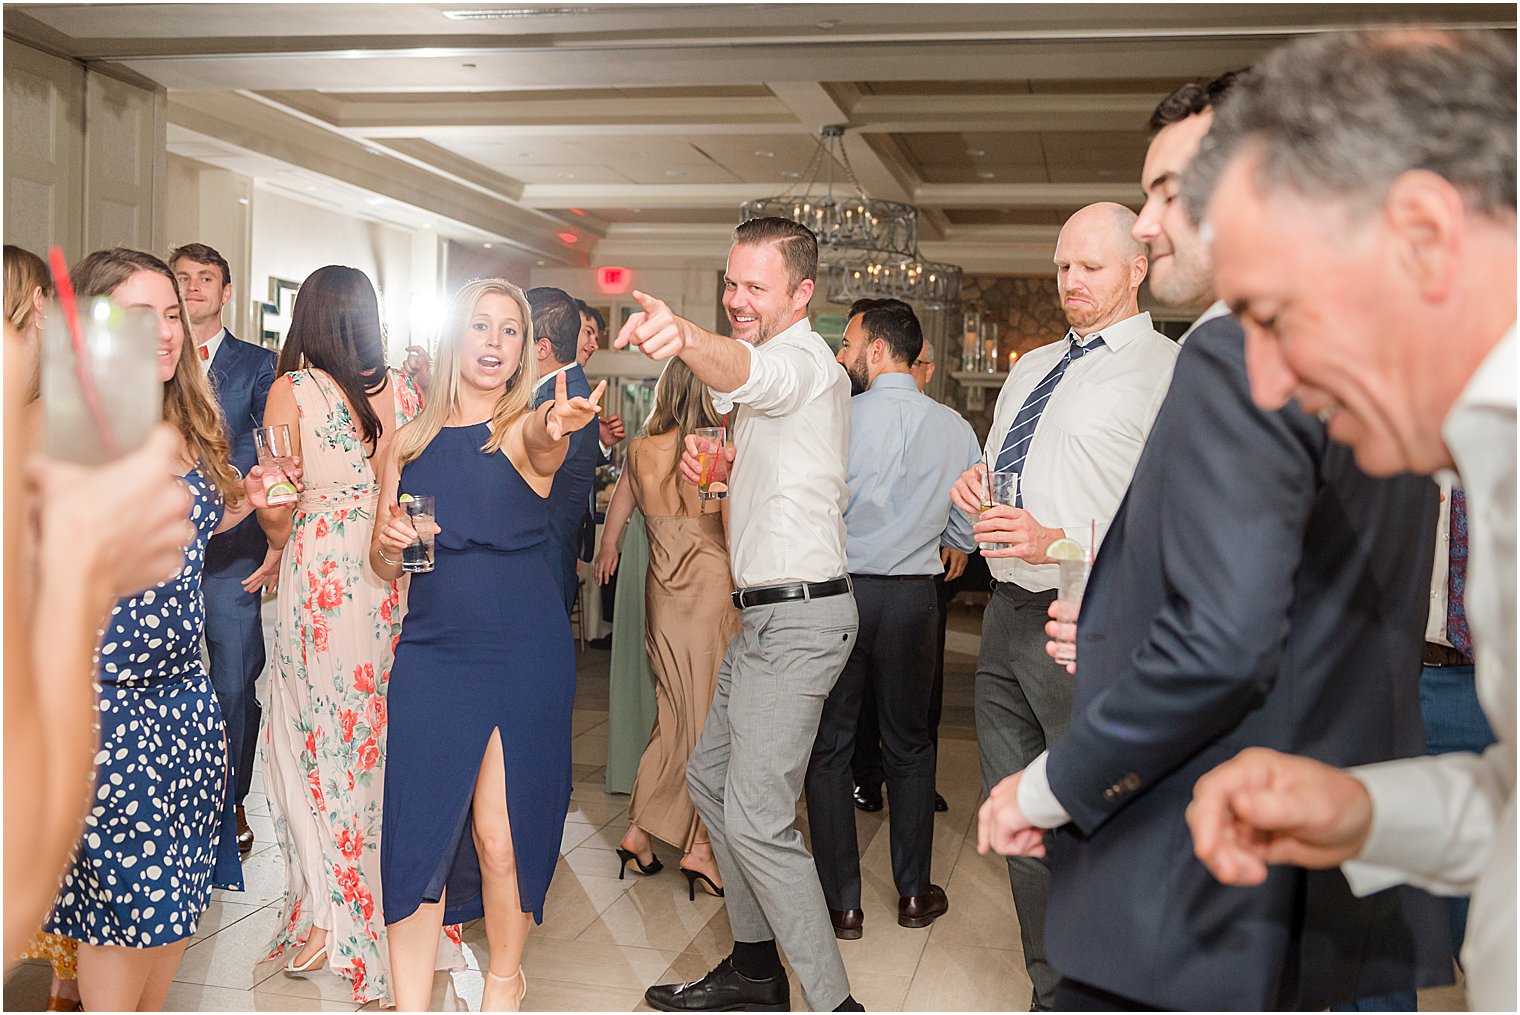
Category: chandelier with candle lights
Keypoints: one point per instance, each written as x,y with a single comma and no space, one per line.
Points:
866,247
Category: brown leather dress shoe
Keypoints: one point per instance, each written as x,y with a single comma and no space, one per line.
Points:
244,833
847,923
922,910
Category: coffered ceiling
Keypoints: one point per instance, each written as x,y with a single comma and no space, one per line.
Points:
630,133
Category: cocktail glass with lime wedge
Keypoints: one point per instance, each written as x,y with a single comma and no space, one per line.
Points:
273,446
712,465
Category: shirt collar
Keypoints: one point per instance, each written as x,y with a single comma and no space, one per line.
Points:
1217,309
1492,385
550,375
902,382
1116,336
212,345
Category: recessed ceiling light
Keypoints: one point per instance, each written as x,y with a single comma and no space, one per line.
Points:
790,175
488,246
565,176
675,172
984,175
826,25
542,263
975,153
763,154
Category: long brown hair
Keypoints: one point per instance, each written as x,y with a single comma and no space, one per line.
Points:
25,273
188,402
681,403
335,327
443,393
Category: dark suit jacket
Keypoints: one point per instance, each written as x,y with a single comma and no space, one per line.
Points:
1255,588
570,497
240,375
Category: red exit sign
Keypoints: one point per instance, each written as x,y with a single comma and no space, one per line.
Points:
613,280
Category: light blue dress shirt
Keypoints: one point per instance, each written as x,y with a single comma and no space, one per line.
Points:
906,452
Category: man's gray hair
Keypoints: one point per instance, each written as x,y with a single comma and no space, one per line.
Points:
1344,115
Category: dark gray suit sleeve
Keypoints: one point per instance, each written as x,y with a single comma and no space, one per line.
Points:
1238,487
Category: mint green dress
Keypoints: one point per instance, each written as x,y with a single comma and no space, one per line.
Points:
630,692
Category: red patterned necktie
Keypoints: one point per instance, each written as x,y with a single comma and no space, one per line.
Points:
1456,576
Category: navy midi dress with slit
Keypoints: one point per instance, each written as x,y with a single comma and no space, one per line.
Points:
485,645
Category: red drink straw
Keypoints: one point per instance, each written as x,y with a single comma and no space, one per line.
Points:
81,354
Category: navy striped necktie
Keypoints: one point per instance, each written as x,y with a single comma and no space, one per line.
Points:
1021,434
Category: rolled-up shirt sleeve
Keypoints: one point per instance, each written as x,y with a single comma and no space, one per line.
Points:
781,380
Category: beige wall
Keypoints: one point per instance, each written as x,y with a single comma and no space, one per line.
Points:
84,157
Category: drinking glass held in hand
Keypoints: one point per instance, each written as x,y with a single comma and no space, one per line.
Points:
999,488
406,541
275,463
712,463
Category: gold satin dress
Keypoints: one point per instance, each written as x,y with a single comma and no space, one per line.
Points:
689,620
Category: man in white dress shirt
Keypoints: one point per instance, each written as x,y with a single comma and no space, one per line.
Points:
1370,254
1071,420
790,405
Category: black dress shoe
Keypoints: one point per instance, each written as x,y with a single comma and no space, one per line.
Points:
867,799
847,923
244,833
922,910
939,804
723,989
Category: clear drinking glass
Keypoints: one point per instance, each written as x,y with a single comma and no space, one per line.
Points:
1072,586
418,557
712,483
121,375
273,446
1000,488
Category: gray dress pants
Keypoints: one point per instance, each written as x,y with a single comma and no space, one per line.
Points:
746,774
1023,705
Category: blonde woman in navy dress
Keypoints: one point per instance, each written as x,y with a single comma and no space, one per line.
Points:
160,834
477,780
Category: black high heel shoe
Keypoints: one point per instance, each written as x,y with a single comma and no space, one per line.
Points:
692,877
646,870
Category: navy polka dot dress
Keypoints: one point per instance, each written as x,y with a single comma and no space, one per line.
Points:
160,833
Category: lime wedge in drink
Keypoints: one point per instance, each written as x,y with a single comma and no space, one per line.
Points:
406,498
716,487
1065,549
281,489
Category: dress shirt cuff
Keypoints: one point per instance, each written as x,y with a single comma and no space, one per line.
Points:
724,401
1036,800
1397,841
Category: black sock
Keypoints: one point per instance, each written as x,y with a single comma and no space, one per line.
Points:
756,960
850,1004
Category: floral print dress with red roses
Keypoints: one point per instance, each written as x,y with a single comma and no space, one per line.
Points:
335,632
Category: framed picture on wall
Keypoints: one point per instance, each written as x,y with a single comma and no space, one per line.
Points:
272,318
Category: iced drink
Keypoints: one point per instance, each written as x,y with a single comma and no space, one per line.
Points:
712,464
418,557
273,446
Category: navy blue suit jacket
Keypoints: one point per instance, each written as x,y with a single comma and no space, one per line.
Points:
570,497
241,375
1255,588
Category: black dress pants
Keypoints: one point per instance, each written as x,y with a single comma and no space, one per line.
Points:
893,655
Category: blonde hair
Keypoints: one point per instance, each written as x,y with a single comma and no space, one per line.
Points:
189,404
681,403
443,394
25,273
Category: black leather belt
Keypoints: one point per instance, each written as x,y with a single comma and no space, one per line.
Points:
1437,654
768,594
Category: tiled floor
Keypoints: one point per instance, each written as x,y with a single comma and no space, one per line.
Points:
604,940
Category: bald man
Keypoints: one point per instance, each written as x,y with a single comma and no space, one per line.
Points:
1072,419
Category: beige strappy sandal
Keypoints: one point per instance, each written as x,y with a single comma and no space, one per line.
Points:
522,991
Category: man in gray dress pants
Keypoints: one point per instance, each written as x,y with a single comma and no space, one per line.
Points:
787,493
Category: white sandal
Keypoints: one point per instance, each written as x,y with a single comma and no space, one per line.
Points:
310,964
521,991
